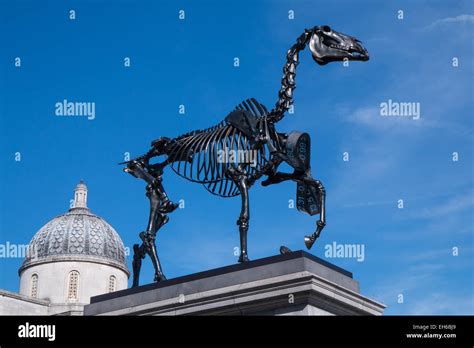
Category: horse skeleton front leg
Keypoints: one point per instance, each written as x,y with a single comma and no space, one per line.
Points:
304,178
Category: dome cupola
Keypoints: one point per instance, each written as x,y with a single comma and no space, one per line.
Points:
73,257
77,234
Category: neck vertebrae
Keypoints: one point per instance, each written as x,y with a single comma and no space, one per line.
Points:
288,85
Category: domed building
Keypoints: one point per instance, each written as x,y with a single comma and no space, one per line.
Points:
73,257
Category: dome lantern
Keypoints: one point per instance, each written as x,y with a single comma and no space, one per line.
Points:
80,195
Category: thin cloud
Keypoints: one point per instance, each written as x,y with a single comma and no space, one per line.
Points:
455,205
369,117
368,204
429,255
464,18
416,284
407,283
443,304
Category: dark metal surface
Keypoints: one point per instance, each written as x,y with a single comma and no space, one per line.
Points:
249,130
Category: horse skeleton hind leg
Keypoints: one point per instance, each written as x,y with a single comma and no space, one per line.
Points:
155,221
241,179
160,205
139,253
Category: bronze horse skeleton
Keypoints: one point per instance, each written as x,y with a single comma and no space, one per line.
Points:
202,156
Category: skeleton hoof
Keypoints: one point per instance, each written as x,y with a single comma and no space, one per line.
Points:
243,258
309,241
159,277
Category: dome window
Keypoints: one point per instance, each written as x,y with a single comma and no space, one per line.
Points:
34,286
112,283
73,284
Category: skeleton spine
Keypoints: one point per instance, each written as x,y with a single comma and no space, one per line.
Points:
288,83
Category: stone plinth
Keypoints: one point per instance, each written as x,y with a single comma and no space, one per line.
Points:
292,284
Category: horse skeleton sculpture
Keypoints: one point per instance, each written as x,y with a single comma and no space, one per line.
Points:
249,129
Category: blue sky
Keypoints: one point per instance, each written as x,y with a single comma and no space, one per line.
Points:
408,251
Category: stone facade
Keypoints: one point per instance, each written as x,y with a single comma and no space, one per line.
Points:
15,304
92,278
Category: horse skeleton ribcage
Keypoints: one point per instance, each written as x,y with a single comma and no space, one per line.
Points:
204,156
